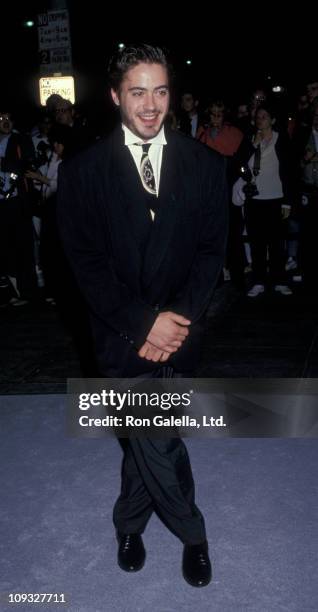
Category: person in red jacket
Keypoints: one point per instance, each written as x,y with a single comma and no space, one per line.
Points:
218,134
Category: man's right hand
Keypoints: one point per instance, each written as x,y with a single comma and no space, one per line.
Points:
169,331
152,353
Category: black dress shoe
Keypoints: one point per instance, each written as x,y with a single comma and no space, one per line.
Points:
196,564
131,552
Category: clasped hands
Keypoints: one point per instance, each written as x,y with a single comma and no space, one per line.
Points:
166,336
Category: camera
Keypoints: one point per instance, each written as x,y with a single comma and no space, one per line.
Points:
16,170
250,190
13,182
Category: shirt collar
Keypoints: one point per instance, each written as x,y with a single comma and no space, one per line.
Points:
132,139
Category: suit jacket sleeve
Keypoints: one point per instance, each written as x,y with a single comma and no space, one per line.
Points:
88,249
209,257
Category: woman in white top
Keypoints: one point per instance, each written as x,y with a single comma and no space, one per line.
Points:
45,178
268,200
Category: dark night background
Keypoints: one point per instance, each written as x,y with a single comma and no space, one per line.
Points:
232,49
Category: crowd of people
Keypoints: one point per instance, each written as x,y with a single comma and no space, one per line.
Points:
29,242
272,177
272,169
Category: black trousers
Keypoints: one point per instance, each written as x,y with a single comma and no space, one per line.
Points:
235,254
50,248
265,230
157,476
17,245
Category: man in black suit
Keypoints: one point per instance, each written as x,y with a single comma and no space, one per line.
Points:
144,228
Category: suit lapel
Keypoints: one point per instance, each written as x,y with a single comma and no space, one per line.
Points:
170,199
127,211
119,174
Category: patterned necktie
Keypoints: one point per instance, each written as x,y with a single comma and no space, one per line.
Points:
146,171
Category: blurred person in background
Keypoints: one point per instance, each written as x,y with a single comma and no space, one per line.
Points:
188,119
308,209
16,230
219,134
268,193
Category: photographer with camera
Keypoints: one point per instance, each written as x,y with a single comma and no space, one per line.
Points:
266,190
16,232
45,180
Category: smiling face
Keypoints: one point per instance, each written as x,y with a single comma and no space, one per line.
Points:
143,99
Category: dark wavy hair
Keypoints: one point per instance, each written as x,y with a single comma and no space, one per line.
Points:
132,55
270,107
63,134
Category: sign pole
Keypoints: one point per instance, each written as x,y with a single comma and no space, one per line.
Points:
55,51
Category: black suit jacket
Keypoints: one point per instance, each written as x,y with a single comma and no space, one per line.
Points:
130,268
